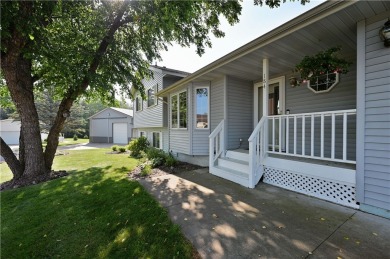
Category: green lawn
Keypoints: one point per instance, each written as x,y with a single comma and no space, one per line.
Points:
70,141
6,175
95,212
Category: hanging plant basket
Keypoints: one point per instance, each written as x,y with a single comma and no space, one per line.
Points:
323,69
294,81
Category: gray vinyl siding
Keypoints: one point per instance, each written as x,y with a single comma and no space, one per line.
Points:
179,139
239,112
150,116
149,136
217,97
300,99
200,137
170,79
377,117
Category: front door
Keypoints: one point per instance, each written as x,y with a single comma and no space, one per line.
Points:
276,104
275,98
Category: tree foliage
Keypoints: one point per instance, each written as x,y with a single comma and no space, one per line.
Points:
85,49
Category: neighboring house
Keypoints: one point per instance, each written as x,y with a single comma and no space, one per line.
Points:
240,116
151,114
111,125
10,131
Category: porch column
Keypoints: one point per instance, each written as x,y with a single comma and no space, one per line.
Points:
265,86
265,101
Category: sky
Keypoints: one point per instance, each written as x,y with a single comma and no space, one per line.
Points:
254,22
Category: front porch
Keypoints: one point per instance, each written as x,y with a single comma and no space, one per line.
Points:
310,153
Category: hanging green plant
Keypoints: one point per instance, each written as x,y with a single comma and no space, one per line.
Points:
322,63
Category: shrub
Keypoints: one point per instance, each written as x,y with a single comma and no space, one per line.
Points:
85,137
114,148
75,138
138,145
122,149
146,169
170,160
156,156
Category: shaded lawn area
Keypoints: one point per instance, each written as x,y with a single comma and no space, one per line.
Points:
94,212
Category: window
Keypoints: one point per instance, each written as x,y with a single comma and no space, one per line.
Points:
152,98
142,134
179,110
202,108
323,83
156,141
138,104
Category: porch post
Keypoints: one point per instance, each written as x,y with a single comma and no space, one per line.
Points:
265,86
265,102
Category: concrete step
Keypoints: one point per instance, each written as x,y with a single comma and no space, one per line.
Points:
231,175
242,155
235,164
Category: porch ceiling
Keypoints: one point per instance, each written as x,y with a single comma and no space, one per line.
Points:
338,29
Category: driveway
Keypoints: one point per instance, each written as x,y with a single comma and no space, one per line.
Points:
225,220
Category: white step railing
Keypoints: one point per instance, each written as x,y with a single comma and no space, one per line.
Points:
318,135
257,152
217,143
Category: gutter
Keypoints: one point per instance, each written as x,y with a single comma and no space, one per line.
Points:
289,27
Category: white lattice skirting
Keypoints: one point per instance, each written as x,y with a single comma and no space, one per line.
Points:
320,188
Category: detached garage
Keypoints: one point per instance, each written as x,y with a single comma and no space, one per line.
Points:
10,131
111,125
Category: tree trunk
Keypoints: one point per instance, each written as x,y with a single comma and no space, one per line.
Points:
17,71
18,76
12,161
58,125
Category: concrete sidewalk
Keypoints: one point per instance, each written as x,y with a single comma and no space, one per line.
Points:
225,220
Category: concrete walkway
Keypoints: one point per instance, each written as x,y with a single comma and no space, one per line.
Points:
83,146
225,220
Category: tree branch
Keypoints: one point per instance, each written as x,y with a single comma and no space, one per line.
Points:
12,161
73,94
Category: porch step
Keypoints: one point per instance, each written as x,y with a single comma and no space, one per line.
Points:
231,175
235,164
240,154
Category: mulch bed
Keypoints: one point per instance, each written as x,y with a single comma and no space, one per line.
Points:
117,152
26,181
163,170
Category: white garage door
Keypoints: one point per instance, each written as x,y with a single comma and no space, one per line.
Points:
120,133
10,137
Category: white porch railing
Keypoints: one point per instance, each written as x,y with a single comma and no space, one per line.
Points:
257,152
318,135
217,143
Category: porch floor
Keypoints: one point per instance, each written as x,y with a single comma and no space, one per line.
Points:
315,161
304,160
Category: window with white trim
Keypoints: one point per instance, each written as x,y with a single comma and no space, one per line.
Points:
202,108
157,140
152,97
142,134
323,83
138,104
179,110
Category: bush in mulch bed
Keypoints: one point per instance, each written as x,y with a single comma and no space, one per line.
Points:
118,150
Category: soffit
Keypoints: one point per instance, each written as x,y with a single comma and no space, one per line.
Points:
338,29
